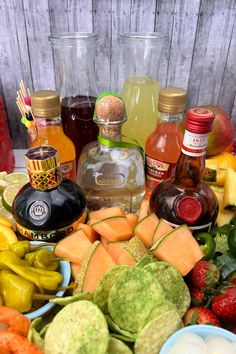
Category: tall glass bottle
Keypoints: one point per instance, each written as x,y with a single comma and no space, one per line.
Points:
142,57
47,109
111,172
75,54
185,198
163,146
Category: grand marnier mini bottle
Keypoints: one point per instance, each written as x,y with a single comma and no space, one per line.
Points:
185,198
49,207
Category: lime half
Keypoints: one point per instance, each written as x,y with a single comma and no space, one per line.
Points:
9,194
17,177
3,174
6,214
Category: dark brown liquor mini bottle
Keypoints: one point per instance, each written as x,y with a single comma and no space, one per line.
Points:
49,207
185,198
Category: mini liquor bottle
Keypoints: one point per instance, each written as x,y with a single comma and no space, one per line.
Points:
46,108
163,146
185,198
49,207
111,172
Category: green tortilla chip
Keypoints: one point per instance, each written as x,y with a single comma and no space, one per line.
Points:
79,328
116,329
145,260
116,346
134,294
122,337
104,285
161,309
185,301
171,281
63,301
156,332
34,333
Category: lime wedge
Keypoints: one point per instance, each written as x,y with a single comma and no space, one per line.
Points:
3,174
9,194
6,214
3,184
17,177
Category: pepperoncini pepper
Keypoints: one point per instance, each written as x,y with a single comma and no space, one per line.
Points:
9,257
23,247
17,292
43,259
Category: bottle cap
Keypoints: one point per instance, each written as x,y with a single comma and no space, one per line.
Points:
172,100
199,120
43,167
46,103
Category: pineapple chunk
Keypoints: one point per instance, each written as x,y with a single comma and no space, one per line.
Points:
229,200
224,216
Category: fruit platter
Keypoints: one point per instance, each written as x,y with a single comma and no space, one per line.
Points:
134,282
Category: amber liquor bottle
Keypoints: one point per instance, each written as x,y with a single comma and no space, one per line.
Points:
49,207
185,198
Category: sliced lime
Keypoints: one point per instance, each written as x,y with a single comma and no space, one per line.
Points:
5,213
17,177
3,174
9,194
3,184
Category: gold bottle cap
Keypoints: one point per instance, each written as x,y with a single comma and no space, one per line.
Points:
42,159
46,103
172,100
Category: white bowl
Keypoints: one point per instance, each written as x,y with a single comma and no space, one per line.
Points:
201,330
65,270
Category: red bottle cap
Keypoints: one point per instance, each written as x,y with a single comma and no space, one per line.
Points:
188,209
199,120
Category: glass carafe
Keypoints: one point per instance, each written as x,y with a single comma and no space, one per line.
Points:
74,59
143,53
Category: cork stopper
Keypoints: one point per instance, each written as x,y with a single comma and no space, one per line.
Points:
45,103
172,100
110,108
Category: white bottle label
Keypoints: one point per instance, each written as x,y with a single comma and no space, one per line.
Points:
194,144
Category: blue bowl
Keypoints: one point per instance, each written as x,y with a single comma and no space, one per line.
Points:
65,270
201,330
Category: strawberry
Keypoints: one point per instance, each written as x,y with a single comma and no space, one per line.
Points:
224,304
204,275
200,315
198,296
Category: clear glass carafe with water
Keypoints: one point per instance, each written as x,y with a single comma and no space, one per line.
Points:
143,54
75,81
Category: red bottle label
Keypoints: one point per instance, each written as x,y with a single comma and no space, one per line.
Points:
157,171
69,170
188,209
194,144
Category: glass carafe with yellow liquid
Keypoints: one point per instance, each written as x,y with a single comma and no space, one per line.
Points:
143,53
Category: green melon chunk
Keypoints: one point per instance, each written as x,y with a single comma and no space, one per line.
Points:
104,285
116,346
63,301
114,328
155,333
132,297
171,281
79,327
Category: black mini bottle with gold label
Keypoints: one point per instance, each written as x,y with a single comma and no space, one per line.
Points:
49,207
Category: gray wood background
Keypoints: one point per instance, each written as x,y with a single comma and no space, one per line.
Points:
201,52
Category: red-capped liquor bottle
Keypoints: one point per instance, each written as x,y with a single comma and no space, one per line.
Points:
185,198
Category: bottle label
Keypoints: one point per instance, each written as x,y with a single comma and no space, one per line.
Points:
157,171
205,227
52,235
69,170
194,144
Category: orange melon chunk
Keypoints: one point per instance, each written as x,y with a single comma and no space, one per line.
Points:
132,219
104,242
116,228
145,229
143,210
89,232
92,221
74,269
126,258
106,213
93,266
179,248
162,229
115,248
74,247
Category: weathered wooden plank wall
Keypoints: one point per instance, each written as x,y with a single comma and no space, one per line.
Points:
200,57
